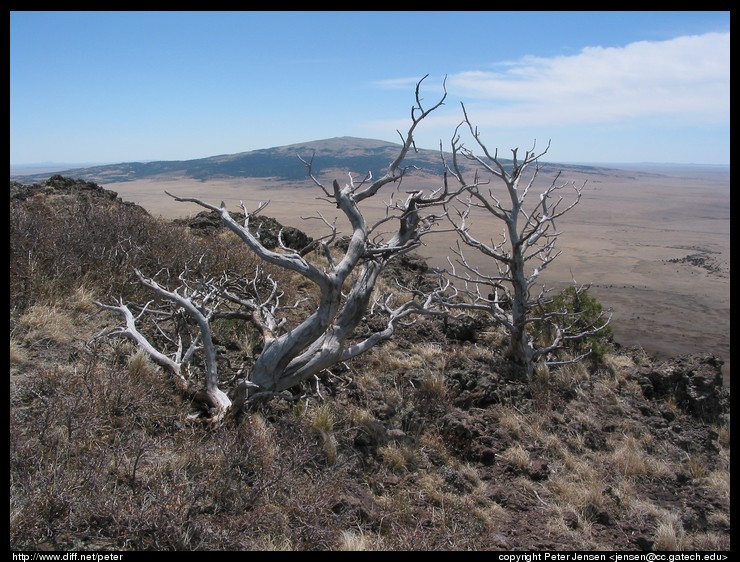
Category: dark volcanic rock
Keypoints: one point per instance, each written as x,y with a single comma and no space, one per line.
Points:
60,184
693,382
267,229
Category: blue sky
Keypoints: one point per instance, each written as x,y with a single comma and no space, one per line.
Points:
104,87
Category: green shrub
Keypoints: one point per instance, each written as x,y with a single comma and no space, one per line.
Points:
576,311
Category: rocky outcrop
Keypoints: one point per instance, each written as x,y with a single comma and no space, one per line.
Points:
693,382
60,184
266,229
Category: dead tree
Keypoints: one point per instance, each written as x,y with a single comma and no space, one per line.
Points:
325,337
525,248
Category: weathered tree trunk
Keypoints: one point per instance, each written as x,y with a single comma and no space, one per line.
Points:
323,338
530,235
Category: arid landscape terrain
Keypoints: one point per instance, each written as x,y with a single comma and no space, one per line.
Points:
433,441
653,241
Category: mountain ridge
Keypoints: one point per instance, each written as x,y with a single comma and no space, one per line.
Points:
359,155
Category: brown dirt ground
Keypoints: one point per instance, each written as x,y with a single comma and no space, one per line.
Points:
655,245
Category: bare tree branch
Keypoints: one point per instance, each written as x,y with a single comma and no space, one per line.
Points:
343,290
527,245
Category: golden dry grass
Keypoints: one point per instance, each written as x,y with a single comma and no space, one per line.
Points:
398,457
48,324
353,541
670,535
434,386
516,456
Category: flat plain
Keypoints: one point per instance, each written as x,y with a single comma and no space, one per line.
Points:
653,242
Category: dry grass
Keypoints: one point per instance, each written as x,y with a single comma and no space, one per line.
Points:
392,357
516,456
82,300
710,542
571,376
495,337
385,289
18,353
358,540
696,466
45,324
579,486
723,433
140,365
434,386
432,355
670,535
619,364
629,458
271,543
323,417
359,416
255,474
719,478
398,457
493,516
102,455
512,421
433,447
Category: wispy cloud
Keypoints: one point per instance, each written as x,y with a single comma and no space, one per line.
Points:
397,83
686,79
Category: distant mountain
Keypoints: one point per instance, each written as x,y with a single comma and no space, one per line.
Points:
347,153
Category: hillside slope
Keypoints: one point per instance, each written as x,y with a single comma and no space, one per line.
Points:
431,442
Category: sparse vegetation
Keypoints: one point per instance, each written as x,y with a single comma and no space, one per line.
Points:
428,443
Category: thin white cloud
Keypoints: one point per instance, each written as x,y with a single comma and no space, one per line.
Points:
397,83
686,79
